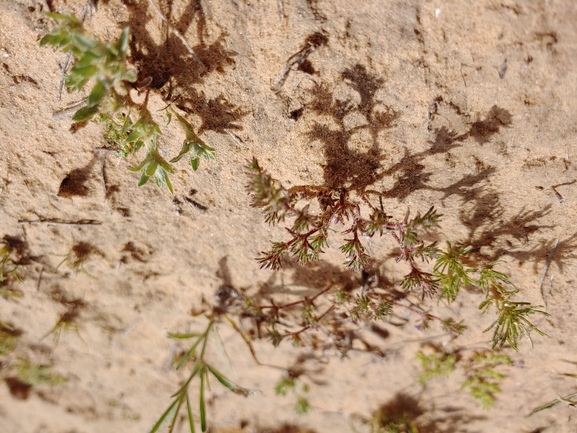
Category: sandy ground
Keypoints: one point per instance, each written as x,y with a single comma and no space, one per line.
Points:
477,102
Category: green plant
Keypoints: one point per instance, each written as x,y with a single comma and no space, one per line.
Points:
201,369
478,367
66,322
448,274
8,273
36,374
567,399
482,379
76,257
298,388
436,364
8,339
128,126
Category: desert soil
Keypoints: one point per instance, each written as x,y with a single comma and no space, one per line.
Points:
476,105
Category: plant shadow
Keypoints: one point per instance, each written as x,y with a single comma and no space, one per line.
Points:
169,68
405,413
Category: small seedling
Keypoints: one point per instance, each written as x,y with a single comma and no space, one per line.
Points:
297,388
435,365
481,378
570,399
66,322
35,374
77,256
128,126
201,369
8,273
8,339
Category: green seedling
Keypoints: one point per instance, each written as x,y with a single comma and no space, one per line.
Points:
66,323
482,378
192,145
105,67
297,388
435,365
8,339
512,322
77,257
479,368
35,374
202,370
8,273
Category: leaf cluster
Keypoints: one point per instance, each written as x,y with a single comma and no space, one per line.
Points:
512,321
36,374
103,63
482,379
127,125
434,272
435,365
272,314
298,388
479,368
309,232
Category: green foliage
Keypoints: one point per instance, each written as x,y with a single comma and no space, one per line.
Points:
481,378
109,102
193,145
103,63
202,370
35,374
8,339
449,274
8,273
298,388
512,321
436,364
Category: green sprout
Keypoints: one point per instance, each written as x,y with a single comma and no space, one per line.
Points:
105,67
482,378
436,364
35,374
290,383
202,370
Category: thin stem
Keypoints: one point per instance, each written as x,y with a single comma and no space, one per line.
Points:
292,304
305,328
